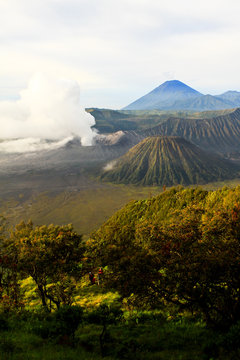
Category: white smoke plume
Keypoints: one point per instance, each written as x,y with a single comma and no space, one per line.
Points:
31,145
110,165
47,109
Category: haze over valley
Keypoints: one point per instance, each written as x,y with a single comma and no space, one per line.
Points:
74,152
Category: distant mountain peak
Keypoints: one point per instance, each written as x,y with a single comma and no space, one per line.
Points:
175,95
164,96
175,86
175,83
231,92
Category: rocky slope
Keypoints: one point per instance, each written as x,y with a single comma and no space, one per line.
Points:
169,161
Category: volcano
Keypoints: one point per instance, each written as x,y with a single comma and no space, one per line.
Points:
162,160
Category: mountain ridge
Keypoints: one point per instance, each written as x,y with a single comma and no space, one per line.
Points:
175,95
168,160
219,135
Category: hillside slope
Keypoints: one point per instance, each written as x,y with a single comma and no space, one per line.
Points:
203,103
220,134
231,96
169,161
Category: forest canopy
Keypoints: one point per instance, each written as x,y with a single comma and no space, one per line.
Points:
170,263
181,247
50,255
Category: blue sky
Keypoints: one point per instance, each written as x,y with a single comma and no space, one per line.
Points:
119,50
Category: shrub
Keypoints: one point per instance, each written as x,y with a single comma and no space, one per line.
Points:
63,323
3,322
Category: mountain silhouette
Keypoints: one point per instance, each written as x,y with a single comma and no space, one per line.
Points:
175,95
164,96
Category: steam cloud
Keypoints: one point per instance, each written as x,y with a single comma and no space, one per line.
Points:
48,109
110,165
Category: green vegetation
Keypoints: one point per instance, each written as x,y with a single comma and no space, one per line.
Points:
139,335
50,255
181,114
169,161
85,209
181,247
108,121
170,288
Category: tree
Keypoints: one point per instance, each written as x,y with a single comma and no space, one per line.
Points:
189,257
10,293
52,256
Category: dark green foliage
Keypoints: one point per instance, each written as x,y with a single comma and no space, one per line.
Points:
69,318
230,340
181,247
7,347
3,322
223,345
151,337
51,256
10,292
63,323
105,316
169,161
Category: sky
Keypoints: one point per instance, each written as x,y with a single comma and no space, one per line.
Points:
117,51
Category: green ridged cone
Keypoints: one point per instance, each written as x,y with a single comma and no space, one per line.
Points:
169,161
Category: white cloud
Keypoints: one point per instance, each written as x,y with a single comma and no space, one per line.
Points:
122,48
